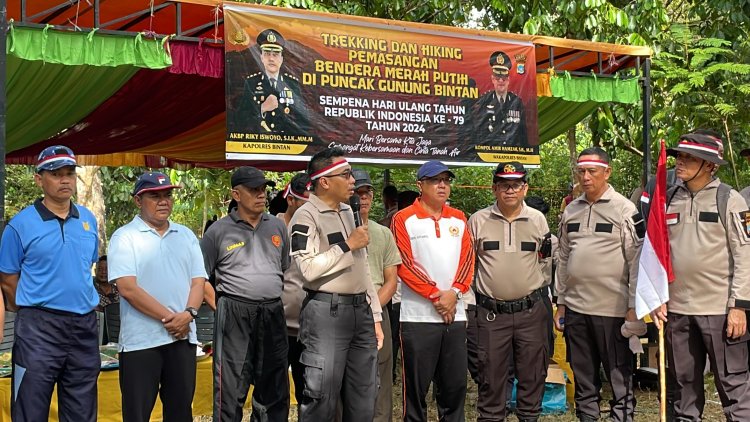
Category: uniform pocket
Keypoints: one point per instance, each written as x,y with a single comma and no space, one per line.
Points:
735,355
314,369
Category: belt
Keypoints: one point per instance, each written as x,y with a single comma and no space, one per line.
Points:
337,298
247,300
510,306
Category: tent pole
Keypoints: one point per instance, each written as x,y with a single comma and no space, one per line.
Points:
3,173
646,120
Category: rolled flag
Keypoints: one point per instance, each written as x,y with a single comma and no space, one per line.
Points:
655,264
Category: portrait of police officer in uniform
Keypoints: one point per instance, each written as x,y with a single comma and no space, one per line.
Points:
271,101
498,117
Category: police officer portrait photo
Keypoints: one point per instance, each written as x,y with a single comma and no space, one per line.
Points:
498,116
271,100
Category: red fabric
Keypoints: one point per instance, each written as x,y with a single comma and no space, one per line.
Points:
197,59
657,221
155,105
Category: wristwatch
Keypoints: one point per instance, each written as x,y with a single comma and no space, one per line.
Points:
456,290
192,311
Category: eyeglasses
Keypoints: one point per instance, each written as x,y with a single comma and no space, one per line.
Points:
503,187
345,174
438,180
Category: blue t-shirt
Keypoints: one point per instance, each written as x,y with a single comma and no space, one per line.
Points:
53,258
164,267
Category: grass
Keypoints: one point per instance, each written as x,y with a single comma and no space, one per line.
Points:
647,409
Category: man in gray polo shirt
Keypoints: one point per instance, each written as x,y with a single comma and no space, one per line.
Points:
248,252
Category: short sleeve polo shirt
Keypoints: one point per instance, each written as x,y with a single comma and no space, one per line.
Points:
53,258
164,267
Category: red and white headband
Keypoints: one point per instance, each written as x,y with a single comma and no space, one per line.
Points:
288,191
598,163
325,171
698,147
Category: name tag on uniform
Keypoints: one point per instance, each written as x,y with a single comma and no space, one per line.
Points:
708,217
528,246
673,219
491,245
603,227
573,227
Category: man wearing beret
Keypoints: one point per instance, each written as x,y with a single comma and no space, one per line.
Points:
158,268
498,117
272,102
705,314
512,243
46,255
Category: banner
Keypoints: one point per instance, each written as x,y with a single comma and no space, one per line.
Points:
384,91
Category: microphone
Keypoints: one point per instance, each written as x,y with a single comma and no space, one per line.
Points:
354,203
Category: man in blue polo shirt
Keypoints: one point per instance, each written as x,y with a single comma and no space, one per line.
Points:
158,267
46,254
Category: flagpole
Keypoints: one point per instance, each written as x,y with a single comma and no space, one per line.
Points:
662,376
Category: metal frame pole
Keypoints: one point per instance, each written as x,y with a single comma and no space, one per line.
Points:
3,58
646,120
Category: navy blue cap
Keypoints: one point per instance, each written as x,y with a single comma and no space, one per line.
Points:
55,157
153,181
432,169
361,178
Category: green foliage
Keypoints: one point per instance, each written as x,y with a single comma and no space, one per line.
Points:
20,189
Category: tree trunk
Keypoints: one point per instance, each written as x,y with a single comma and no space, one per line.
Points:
91,196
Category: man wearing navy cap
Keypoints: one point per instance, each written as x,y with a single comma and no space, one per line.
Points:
248,252
512,243
438,266
158,268
498,116
46,254
705,314
271,101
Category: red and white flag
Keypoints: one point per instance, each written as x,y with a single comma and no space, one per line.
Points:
655,265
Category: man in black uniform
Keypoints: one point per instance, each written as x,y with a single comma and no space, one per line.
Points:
498,116
272,102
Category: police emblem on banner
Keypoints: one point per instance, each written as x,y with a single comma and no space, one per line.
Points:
520,63
239,37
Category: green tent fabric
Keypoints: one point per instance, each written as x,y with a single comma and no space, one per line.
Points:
556,115
603,90
43,97
79,48
56,78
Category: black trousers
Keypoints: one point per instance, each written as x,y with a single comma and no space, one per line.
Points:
593,341
689,338
340,359
471,342
54,348
250,348
434,352
168,371
394,313
504,339
298,369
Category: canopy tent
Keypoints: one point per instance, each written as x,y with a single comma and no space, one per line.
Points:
162,103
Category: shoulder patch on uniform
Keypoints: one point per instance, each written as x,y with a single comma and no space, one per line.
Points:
639,224
745,221
299,237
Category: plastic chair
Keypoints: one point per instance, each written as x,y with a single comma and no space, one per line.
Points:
204,324
8,332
